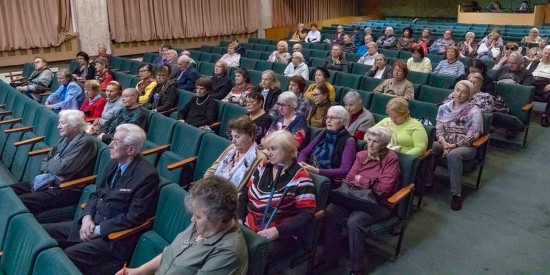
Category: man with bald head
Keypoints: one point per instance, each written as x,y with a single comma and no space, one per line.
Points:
187,75
369,57
188,53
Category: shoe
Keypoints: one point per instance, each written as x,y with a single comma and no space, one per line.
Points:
544,121
456,203
325,266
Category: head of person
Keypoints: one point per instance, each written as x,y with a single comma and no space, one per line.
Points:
127,142
184,62
203,86
426,33
171,55
534,33
297,58
356,29
380,61
353,102
82,58
398,110
213,204
235,42
71,122
470,36
101,64
495,5
113,90
185,52
524,5
230,49
510,47
400,70
347,39
388,31
515,61
145,71
243,133
336,51
417,53
368,38
321,75
408,32
163,74
39,63
477,80
337,118
368,30
164,48
64,77
281,147
241,76
464,90
300,27
254,103
477,66
130,98
452,53
287,103
340,29
546,55
220,68
373,48
297,48
447,34
297,84
91,88
282,46
543,42
378,140
313,26
269,80
320,93
101,49
492,37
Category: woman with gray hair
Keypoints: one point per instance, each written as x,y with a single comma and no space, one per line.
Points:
297,66
468,48
377,169
288,119
332,152
212,243
360,118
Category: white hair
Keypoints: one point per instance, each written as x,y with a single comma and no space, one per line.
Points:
75,118
341,112
299,55
383,134
133,135
470,33
352,96
289,98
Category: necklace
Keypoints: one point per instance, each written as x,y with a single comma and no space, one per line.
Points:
199,104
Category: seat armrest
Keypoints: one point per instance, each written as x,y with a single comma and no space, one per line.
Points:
169,111
83,205
425,155
44,94
40,152
21,129
126,232
527,107
77,181
11,121
2,105
480,141
319,214
1,253
5,113
215,124
29,141
181,163
401,194
155,150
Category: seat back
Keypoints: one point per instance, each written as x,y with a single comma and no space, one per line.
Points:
231,111
433,94
54,261
211,148
379,102
421,109
263,65
172,217
516,96
10,206
207,68
360,69
348,80
322,189
161,129
125,80
441,81
408,165
247,63
258,251
369,83
149,57
418,77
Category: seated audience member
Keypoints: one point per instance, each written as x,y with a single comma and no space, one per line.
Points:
364,48
489,50
38,82
419,62
523,7
269,88
125,198
293,195
477,66
288,119
405,42
500,41
187,74
161,59
94,103
380,69
313,36
221,81
377,169
321,76
370,55
533,37
450,66
238,49
368,31
114,102
297,48
468,48
336,60
232,58
408,134
242,88
426,39
387,41
202,109
165,94
536,52
514,73
541,81
321,103
349,46
255,110
332,152
240,159
146,83
68,96
132,113
338,37
103,74
281,55
188,54
85,70
171,57
216,243
484,101
297,67
297,85
358,37
360,118
102,52
398,85
494,7
299,35
440,45
502,59
73,157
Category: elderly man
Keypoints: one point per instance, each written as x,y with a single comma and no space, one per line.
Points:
187,75
388,40
514,72
68,96
540,69
125,198
73,157
188,53
369,57
171,57
131,113
297,48
38,82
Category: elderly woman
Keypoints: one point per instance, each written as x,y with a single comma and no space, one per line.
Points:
255,110
450,66
336,60
478,66
484,101
288,119
509,48
418,62
349,46
425,38
405,42
363,49
212,243
94,103
489,50
360,118
242,157
299,35
387,41
370,55
440,45
535,53
221,81
533,37
398,85
269,88
332,152
281,55
85,70
321,103
380,69
242,88
459,124
293,195
232,58
202,109
103,74
321,76
297,66
297,84
468,48
68,96
408,134
377,169
165,94
146,83
314,35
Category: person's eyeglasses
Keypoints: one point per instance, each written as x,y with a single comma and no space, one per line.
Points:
333,117
37,62
143,71
251,102
161,75
316,94
282,104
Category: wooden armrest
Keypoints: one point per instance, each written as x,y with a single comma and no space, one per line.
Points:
122,233
4,113
20,129
527,107
215,124
401,194
155,150
40,152
169,111
83,205
319,214
1,253
425,155
10,121
44,94
2,105
29,141
480,141
77,181
181,163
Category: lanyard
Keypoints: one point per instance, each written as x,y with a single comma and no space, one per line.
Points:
268,205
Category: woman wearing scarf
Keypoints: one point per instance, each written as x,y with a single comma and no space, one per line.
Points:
165,94
146,84
69,95
360,118
332,152
459,124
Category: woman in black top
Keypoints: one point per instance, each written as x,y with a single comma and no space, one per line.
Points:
85,70
263,120
165,95
221,82
202,110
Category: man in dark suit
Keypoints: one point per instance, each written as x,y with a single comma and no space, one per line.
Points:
188,75
125,198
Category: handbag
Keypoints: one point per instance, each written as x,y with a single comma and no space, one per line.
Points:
355,198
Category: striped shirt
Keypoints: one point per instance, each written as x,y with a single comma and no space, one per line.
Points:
455,69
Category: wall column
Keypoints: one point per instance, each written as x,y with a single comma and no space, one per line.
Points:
91,21
266,17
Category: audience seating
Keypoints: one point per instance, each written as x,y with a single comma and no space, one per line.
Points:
53,261
433,94
520,101
10,206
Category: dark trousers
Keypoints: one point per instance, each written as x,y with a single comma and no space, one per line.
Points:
541,95
47,199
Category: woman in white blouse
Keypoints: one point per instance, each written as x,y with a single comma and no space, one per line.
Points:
297,66
313,36
232,58
281,55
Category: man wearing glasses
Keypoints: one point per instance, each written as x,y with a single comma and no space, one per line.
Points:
39,81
